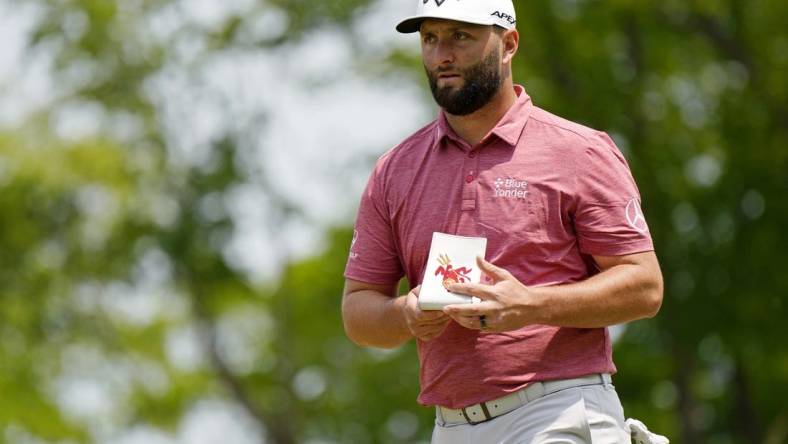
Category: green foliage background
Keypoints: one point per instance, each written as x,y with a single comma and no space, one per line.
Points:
694,92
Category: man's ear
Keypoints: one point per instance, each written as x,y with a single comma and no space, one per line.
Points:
510,40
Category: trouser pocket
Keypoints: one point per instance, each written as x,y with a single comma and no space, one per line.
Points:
604,415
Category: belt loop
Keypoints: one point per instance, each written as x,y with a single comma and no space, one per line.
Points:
465,414
537,391
486,412
522,396
439,416
607,379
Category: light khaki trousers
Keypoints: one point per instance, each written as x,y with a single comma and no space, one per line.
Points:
578,415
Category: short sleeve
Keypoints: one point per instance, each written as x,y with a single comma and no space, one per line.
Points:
608,218
373,254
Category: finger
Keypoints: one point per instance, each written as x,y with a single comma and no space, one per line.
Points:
412,301
428,315
464,321
415,290
431,336
482,308
416,325
459,311
427,331
495,272
481,291
456,311
472,322
431,333
444,318
419,330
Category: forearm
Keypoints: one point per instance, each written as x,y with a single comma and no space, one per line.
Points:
620,294
373,319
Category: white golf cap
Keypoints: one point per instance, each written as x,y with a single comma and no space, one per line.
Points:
481,12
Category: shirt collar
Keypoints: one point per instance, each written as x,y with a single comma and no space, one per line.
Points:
509,129
444,131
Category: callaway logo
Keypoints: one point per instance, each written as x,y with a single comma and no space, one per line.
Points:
510,188
438,2
635,216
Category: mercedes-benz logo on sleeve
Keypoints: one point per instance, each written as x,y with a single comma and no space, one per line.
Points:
635,216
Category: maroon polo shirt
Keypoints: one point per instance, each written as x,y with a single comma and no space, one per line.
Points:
547,193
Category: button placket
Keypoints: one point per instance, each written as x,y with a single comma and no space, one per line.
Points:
470,167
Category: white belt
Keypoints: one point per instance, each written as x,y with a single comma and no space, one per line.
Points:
486,411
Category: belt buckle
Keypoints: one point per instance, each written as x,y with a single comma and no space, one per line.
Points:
483,410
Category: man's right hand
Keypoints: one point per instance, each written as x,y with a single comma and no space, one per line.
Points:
424,325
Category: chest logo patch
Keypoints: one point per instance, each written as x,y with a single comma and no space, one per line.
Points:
510,188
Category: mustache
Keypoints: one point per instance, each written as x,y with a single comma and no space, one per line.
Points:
440,70
448,68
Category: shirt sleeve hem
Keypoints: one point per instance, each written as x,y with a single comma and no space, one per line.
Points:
619,249
370,278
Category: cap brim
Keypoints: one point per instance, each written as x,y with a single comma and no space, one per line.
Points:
413,24
410,25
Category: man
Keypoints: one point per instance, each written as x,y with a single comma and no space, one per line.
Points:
568,248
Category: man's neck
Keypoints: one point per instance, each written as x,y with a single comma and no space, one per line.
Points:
473,127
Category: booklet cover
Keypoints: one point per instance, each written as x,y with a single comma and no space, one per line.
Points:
452,259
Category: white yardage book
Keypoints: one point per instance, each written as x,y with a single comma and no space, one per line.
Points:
452,259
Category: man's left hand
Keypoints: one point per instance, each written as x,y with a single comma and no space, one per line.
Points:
506,303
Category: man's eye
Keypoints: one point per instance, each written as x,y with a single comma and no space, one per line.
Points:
460,36
429,38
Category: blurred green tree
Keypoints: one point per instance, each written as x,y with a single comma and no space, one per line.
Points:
695,95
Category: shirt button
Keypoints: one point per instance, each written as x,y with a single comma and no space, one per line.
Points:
469,178
472,154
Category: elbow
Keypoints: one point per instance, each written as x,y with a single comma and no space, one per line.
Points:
368,322
653,298
357,329
357,336
653,304
352,334
356,340
351,331
362,341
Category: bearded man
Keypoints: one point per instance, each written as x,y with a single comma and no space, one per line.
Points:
568,254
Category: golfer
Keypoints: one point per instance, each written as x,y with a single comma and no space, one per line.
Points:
568,247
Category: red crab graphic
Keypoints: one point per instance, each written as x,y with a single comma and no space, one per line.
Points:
450,274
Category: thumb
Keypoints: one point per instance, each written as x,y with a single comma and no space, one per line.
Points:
495,272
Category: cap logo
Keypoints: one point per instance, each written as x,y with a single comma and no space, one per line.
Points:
438,2
503,15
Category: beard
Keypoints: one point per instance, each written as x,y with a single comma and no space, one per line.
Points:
481,82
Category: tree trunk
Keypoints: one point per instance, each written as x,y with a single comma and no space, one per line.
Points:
744,414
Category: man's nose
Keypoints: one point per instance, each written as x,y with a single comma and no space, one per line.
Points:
444,52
